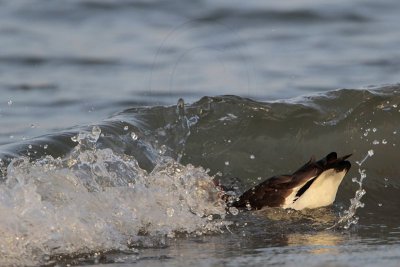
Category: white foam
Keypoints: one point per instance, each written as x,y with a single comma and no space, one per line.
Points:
96,200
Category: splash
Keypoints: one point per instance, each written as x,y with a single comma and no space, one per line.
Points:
184,125
349,218
96,200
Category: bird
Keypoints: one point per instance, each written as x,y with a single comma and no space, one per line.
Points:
313,185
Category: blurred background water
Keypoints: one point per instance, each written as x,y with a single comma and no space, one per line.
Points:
123,65
74,62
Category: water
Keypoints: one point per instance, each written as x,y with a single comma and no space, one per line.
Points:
102,163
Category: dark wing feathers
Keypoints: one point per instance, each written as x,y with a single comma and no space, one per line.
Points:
278,181
272,191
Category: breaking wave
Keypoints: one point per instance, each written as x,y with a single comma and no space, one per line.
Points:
148,173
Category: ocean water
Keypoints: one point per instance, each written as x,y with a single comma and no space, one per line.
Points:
116,118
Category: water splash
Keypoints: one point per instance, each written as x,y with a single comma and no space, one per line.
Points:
96,200
184,125
349,218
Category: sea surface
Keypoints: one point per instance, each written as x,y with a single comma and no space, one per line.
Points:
118,117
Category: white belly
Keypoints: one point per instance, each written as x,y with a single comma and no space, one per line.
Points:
322,192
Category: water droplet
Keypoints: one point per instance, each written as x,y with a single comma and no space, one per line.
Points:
252,157
45,146
366,134
170,212
234,211
134,136
394,132
96,131
394,105
93,137
380,204
370,152
180,103
227,163
30,146
46,257
162,150
10,102
126,128
210,217
180,107
11,136
374,130
259,178
384,141
375,142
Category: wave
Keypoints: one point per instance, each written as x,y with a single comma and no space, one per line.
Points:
148,173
